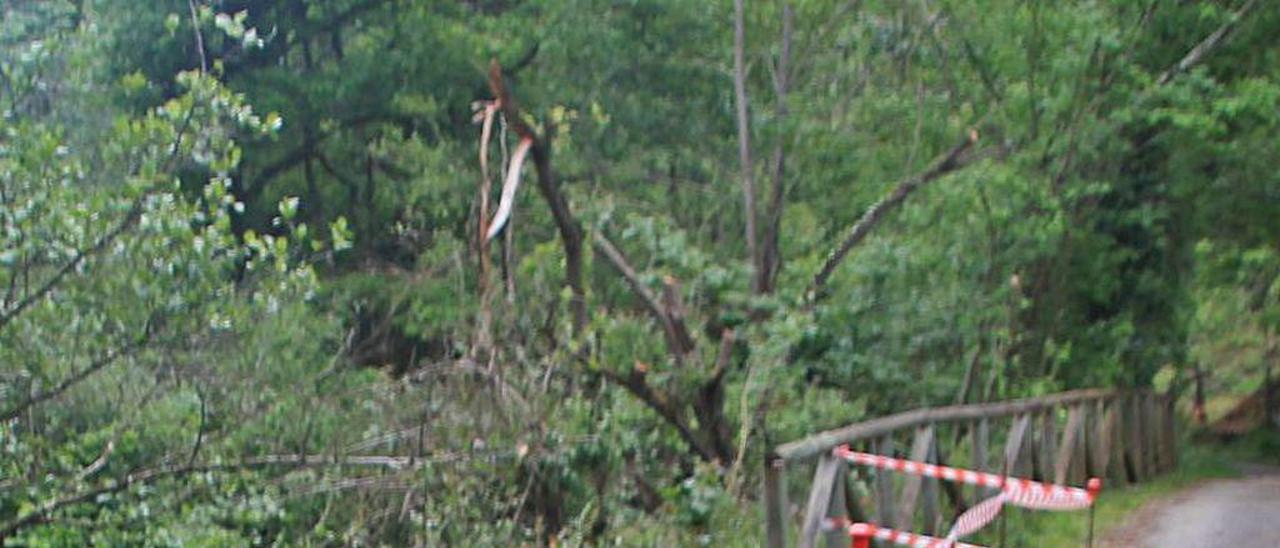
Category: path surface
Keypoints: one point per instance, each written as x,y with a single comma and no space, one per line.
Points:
1241,513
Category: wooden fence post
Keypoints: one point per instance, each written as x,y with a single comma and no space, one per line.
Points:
1068,455
1093,427
920,450
821,494
838,506
1134,457
1103,442
981,441
1170,428
1013,457
929,506
1150,430
884,483
1118,435
1157,434
775,501
1048,447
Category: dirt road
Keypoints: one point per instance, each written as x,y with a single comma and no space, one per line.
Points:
1240,513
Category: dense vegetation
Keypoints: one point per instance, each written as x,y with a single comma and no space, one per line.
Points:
248,293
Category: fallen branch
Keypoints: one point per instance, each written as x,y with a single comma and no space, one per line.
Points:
45,512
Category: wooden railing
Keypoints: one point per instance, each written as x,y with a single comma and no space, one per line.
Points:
1123,436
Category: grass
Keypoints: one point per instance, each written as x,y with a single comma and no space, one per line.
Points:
1199,462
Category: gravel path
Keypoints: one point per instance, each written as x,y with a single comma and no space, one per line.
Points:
1240,513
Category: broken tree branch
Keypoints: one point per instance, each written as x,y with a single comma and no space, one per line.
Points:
670,327
45,512
567,225
636,383
673,305
509,187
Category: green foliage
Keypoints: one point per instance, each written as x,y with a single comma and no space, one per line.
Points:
233,230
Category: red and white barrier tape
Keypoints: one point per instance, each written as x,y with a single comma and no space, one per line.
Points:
1016,491
977,517
869,531
948,473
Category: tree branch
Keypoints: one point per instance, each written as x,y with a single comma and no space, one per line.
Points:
131,217
636,384
673,305
709,405
509,188
74,379
650,301
770,257
1206,46
45,512
953,160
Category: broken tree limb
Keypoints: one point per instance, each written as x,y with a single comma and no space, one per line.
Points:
672,327
566,224
636,383
673,305
509,187
45,512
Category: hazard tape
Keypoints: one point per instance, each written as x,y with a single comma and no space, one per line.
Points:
1021,492
977,517
870,530
1039,496
1016,491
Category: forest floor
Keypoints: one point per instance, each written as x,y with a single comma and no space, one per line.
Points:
1240,512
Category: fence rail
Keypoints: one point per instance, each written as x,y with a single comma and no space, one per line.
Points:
1125,436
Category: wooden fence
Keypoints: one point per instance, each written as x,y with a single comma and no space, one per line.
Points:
1123,436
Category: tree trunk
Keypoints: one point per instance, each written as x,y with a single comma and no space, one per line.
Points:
744,140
